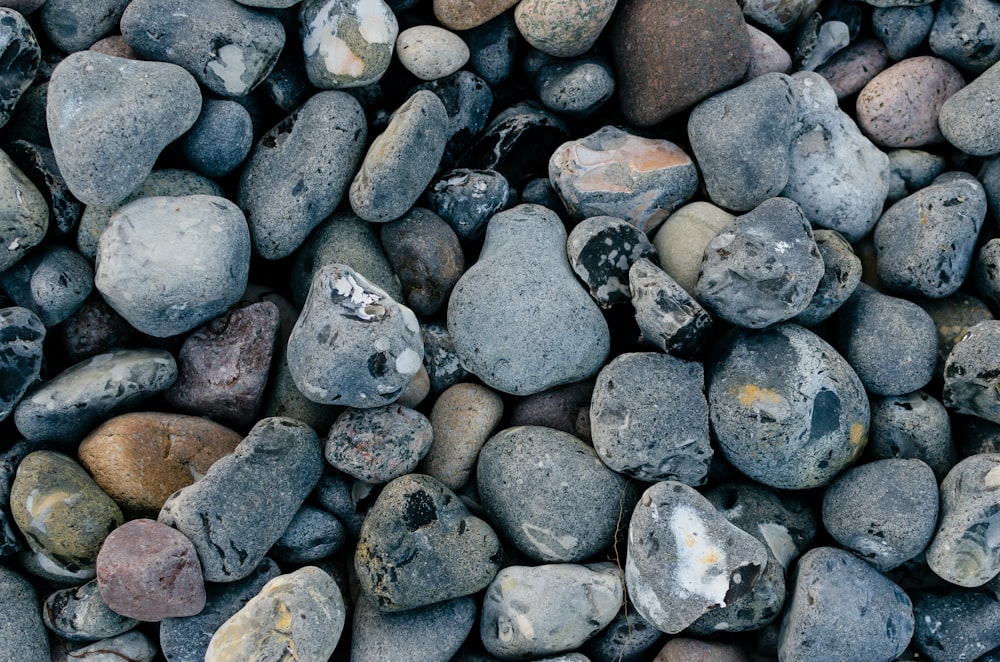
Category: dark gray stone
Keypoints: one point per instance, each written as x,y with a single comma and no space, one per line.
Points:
21,337
426,634
220,139
989,175
818,40
842,608
550,495
967,34
39,164
986,271
271,472
467,99
970,375
668,317
962,625
353,345
11,541
21,627
576,88
601,250
299,171
69,405
649,418
441,361
911,170
24,211
74,26
493,47
913,425
313,534
334,495
133,110
419,545
763,268
787,410
80,614
379,444
466,199
954,316
21,57
628,638
902,28
841,275
51,282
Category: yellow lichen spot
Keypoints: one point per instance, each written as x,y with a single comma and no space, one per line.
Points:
710,557
282,618
858,436
751,395
690,540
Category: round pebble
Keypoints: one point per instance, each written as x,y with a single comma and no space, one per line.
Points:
426,254
914,426
575,89
380,444
429,52
466,199
347,43
220,138
425,634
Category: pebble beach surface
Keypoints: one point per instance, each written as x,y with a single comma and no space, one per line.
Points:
478,330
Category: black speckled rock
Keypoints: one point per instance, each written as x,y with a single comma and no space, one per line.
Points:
601,250
841,275
467,98
380,444
21,336
915,426
426,634
967,34
39,164
954,316
426,254
80,614
467,199
962,625
786,408
52,282
419,545
21,57
668,317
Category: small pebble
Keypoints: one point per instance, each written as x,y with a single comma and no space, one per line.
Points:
132,646
347,43
220,138
440,359
913,425
380,444
312,535
430,52
818,40
52,282
902,28
954,316
21,337
72,26
668,317
970,378
562,29
841,274
911,170
493,48
577,88
628,638
683,649
681,240
81,614
21,56
39,164
517,143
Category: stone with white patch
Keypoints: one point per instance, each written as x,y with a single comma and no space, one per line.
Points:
467,199
601,251
685,559
353,344
347,43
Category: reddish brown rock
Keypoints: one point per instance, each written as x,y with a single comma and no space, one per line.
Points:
140,459
671,54
93,329
467,14
852,68
149,571
565,408
683,649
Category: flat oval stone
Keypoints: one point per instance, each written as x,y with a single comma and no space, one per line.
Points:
69,405
684,558
347,43
902,28
380,444
272,470
132,646
786,408
430,52
419,545
81,614
615,173
429,634
766,54
462,418
61,511
498,332
220,139
133,110
141,459
562,29
25,211
168,264
467,14
601,250
229,48
302,611
523,476
21,628
968,119
546,609
649,418
21,337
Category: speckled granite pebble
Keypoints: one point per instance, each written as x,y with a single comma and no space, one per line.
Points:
957,625
966,33
430,52
852,68
425,634
380,444
562,29
466,14
21,628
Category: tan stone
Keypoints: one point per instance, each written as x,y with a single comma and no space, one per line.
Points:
141,459
467,14
462,418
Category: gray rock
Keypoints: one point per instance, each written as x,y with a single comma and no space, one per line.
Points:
615,173
313,534
537,611
347,43
493,48
818,40
52,282
440,357
21,57
220,139
430,52
519,319
426,634
69,405
911,170
763,268
39,565
577,88
924,244
685,559
989,175
402,160
371,344
380,444
80,614
954,316
550,495
426,254
298,171
601,250
668,317
419,545
970,379
964,550
186,639
986,271
334,494
467,98
740,139
752,611
902,28
230,49
787,410
883,511
21,337
133,110
21,627
39,164
133,646
842,608
467,199
649,418
74,26
272,471
969,118
888,362
628,638
967,33
962,625
11,541
841,275
913,425
284,399
24,212
168,264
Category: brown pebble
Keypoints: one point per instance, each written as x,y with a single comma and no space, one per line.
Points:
467,14
683,649
565,408
852,68
93,329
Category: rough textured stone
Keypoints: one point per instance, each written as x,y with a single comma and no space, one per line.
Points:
428,257
969,379
968,119
426,634
911,170
961,624
628,638
312,535
39,164
841,275
766,55
668,317
380,444
853,67
81,614
24,212
575,89
220,139
73,26
466,14
601,250
347,43
133,646
965,33
902,28
916,426
21,627
21,337
462,419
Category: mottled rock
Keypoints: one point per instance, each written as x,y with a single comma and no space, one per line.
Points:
425,634
380,444
21,337
81,614
467,98
21,627
21,57
683,649
577,88
133,646
72,26
913,425
911,170
347,43
463,417
668,317
960,624
965,33
426,254
601,249
969,379
841,275
466,199
562,29
52,282
24,211
954,316
313,534
628,638
779,18
444,369
818,40
39,164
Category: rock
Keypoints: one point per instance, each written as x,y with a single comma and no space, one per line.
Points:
426,634
841,606
961,624
818,40
968,118
628,638
668,317
523,479
614,173
380,444
133,646
302,611
683,649
74,27
347,43
466,199
38,565
954,316
902,28
915,426
68,406
492,48
52,282
467,98
430,52
575,89
562,29
312,535
21,56
887,363
911,170
463,15
25,213
601,249
220,138
440,360
786,408
402,160
969,382
133,110
419,545
272,470
963,551
148,571
537,611
462,419
766,55
914,89
374,342
427,255
21,337
850,69
499,335
763,268
62,513
192,256
964,32
81,614
299,171
140,459
708,561
779,18
21,627
841,274
681,240
659,48
924,243
39,164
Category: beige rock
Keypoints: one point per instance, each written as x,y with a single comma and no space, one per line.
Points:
463,418
683,649
467,14
681,240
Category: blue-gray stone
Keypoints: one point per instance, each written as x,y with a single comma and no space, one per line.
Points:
467,199
73,26
313,534
902,28
913,425
21,56
970,374
80,614
21,629
467,99
52,282
967,34
220,139
21,337
841,275
961,625
426,634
